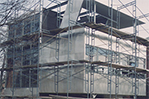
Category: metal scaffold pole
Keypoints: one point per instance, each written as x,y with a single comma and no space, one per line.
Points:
117,70
110,52
69,60
90,43
135,34
117,56
39,42
87,69
92,48
56,68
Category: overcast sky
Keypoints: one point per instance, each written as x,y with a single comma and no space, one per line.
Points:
143,5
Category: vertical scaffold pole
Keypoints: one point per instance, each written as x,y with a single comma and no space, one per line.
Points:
117,73
117,57
58,13
39,41
90,39
135,34
87,64
69,60
92,48
87,68
110,52
118,18
88,7
56,68
91,6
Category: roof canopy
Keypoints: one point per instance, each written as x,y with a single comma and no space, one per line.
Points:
102,10
102,14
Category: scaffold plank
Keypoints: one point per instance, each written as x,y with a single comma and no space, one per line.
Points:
99,27
29,36
43,65
117,66
117,33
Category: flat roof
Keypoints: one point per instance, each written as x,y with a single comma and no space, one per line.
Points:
102,11
125,20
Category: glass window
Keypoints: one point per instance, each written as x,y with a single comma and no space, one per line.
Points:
17,61
26,59
132,64
36,26
18,51
87,50
26,50
27,28
18,32
9,62
11,34
34,60
34,78
25,76
26,62
9,52
33,26
19,29
12,27
102,51
37,17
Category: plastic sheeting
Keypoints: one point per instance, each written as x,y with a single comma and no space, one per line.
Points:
73,10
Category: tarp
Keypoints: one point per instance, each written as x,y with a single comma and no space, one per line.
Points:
74,9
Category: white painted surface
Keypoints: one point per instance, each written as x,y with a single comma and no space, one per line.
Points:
74,12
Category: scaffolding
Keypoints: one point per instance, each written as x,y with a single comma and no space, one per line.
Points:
25,69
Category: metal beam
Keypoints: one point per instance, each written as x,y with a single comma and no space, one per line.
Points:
143,16
62,4
126,5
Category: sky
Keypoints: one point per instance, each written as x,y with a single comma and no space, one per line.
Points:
143,5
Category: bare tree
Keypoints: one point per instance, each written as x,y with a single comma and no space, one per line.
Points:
10,10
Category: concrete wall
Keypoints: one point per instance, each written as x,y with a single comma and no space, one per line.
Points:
48,53
125,85
76,83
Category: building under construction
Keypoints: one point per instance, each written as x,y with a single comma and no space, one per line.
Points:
78,52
